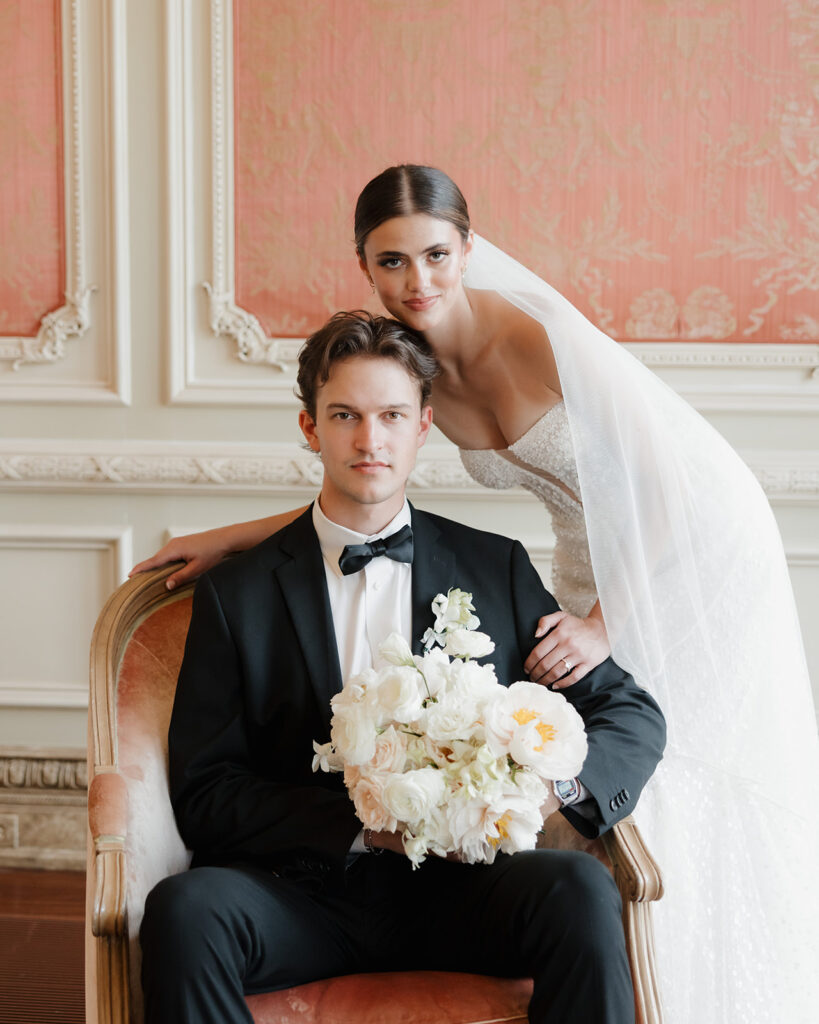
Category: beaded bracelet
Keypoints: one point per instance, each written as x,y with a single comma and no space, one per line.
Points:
368,843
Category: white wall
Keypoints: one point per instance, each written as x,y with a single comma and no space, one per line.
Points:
150,423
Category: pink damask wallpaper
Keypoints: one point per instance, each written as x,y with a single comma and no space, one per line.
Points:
657,160
32,247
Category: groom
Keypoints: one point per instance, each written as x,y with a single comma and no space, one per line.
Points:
285,887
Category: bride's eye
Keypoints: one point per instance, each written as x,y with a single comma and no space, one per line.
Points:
438,255
390,262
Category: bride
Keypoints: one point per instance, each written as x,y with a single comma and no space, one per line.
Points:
667,555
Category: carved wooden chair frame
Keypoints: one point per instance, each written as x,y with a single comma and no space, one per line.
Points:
107,970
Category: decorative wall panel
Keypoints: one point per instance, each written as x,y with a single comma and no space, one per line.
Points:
64,329
656,161
62,576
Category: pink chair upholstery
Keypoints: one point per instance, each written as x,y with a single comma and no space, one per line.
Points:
133,843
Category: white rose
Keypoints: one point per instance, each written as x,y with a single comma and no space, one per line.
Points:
398,693
355,689
396,650
466,643
353,734
326,758
411,797
368,798
538,728
390,751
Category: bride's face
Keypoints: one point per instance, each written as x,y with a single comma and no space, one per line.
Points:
416,264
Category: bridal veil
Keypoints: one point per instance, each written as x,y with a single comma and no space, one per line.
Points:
695,592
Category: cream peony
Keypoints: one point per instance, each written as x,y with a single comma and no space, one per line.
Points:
538,728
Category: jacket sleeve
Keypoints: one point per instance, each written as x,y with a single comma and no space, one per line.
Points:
226,811
625,727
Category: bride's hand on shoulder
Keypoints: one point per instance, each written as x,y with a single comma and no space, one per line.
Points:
199,552
571,647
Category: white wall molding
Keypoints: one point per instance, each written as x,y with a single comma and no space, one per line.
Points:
201,292
188,467
776,377
52,537
96,308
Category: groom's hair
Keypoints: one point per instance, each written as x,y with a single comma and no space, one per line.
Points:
361,334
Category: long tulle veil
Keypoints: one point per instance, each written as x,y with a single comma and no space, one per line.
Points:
695,592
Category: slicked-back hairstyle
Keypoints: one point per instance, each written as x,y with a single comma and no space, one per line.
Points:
361,334
406,189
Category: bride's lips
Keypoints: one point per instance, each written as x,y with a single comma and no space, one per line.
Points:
419,305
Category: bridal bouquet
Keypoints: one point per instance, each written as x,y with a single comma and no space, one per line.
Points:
435,747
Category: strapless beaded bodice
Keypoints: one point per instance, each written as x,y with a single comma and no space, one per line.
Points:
542,461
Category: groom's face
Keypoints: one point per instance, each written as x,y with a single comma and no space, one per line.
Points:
368,427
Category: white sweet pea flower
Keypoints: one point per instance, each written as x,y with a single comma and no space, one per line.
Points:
326,759
466,643
538,728
412,796
396,650
454,611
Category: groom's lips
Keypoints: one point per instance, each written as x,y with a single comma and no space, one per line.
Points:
370,467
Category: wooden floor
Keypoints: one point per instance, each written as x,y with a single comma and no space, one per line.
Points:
41,947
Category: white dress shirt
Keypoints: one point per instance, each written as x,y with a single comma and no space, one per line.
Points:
369,604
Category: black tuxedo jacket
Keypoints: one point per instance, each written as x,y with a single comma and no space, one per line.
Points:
261,664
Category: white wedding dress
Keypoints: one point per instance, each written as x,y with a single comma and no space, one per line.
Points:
653,512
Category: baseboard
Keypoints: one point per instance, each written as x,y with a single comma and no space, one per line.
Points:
43,801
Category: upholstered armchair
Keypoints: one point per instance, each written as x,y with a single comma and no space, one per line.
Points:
133,843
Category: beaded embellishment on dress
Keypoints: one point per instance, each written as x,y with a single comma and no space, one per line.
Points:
542,461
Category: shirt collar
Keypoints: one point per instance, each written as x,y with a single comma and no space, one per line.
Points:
333,538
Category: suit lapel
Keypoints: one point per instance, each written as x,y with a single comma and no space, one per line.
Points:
433,572
304,587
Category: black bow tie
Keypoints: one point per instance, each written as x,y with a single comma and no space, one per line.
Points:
398,546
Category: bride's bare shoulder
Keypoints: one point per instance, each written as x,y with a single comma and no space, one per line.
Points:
516,338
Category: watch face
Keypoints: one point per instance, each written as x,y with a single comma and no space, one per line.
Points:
566,790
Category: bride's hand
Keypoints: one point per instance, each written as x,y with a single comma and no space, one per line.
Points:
583,643
200,552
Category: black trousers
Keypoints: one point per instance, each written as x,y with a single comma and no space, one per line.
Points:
212,934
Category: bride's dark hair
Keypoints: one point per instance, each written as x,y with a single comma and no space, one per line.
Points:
406,189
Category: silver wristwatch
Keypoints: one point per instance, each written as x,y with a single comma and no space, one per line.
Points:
566,790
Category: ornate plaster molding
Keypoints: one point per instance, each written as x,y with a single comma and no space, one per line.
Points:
72,320
21,769
721,355
200,467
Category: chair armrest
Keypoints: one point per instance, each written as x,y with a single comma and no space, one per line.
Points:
107,818
635,870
